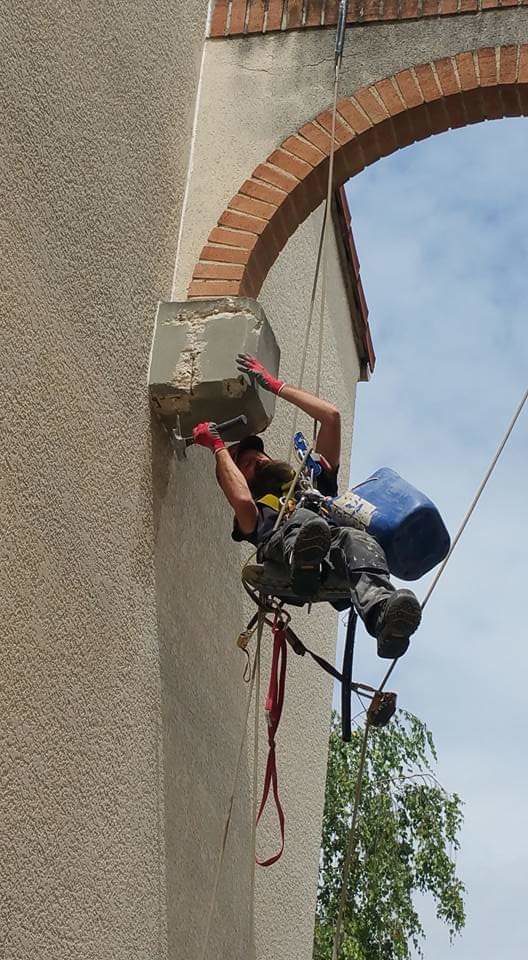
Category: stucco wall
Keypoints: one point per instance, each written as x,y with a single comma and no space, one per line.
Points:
96,110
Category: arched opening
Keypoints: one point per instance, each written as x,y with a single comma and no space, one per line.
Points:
451,92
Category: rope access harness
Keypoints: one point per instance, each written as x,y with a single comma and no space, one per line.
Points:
280,623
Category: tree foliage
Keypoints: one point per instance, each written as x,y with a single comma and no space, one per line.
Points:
408,831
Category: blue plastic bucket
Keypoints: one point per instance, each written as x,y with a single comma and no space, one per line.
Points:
405,523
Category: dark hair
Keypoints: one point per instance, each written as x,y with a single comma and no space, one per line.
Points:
271,477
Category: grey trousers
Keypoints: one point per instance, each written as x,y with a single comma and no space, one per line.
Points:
354,557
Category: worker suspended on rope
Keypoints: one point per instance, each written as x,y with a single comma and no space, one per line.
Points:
307,545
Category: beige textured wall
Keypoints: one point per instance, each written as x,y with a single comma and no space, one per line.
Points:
96,111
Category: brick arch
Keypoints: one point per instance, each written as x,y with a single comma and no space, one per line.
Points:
288,185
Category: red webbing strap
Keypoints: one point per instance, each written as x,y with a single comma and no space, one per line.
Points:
274,704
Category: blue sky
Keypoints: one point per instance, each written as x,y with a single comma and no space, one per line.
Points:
442,234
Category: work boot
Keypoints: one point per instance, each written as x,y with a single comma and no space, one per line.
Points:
397,619
311,545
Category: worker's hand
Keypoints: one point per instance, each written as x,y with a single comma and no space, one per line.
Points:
206,435
257,372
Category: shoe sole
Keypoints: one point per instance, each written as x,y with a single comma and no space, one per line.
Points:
402,618
312,544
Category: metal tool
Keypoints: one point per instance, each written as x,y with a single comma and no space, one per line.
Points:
179,444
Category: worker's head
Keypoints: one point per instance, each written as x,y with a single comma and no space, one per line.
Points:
263,474
247,454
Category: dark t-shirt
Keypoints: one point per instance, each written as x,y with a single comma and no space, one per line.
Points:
326,483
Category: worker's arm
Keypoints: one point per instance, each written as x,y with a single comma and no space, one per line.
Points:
230,479
328,441
236,490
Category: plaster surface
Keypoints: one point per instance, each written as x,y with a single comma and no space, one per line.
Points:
294,72
97,106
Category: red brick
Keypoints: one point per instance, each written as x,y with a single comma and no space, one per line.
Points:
430,8
420,123
522,90
386,138
447,76
213,288
489,4
304,150
508,64
233,238
225,254
522,76
353,116
390,10
241,221
390,96
408,88
493,108
275,9
372,10
342,134
427,82
262,191
370,104
438,116
474,107
238,16
218,271
313,13
467,6
369,146
447,6
219,19
275,176
330,11
511,3
510,100
295,9
466,71
354,11
257,10
403,129
316,135
487,65
455,111
255,208
285,161
409,9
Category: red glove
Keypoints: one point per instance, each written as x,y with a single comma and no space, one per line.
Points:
257,372
206,435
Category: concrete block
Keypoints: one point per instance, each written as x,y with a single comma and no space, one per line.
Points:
193,372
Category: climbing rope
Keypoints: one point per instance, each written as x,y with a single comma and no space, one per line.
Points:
322,250
353,829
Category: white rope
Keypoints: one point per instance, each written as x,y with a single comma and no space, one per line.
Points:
256,666
322,255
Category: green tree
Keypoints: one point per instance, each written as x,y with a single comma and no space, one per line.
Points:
408,830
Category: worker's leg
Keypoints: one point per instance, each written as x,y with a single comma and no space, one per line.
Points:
349,554
301,542
281,543
390,615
